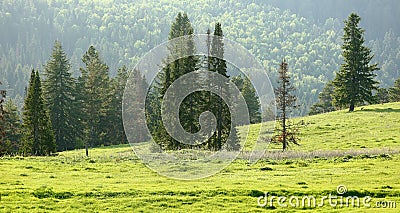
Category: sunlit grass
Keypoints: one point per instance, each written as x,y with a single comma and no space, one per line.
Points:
375,126
113,179
68,183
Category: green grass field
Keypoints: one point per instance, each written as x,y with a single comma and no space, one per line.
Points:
358,150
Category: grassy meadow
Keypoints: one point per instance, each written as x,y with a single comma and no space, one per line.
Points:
359,150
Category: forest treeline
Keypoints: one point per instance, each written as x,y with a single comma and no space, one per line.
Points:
122,31
63,112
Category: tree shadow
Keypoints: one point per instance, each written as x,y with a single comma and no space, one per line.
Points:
380,110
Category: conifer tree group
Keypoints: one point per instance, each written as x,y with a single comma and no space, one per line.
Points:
201,101
63,112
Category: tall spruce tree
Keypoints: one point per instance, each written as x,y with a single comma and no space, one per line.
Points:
171,72
285,102
354,82
96,99
38,137
215,62
60,98
221,110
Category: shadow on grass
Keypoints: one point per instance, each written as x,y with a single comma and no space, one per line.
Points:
379,110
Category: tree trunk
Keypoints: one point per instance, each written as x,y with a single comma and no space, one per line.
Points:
87,149
351,107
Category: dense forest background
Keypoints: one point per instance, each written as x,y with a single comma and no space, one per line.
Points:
307,33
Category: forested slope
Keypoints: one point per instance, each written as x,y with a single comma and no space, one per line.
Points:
123,31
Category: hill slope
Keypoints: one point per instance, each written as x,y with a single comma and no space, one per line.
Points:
369,127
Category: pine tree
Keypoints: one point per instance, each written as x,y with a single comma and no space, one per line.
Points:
38,137
218,64
96,99
60,98
285,101
136,92
394,92
325,100
382,95
355,82
171,72
251,98
12,127
115,126
189,109
197,102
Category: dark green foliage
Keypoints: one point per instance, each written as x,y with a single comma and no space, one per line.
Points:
115,125
250,96
355,80
325,100
136,93
188,113
382,95
197,102
180,27
215,103
59,93
285,132
96,98
38,137
394,92
11,127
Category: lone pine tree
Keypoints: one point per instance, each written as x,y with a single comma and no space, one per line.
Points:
354,82
136,92
285,102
